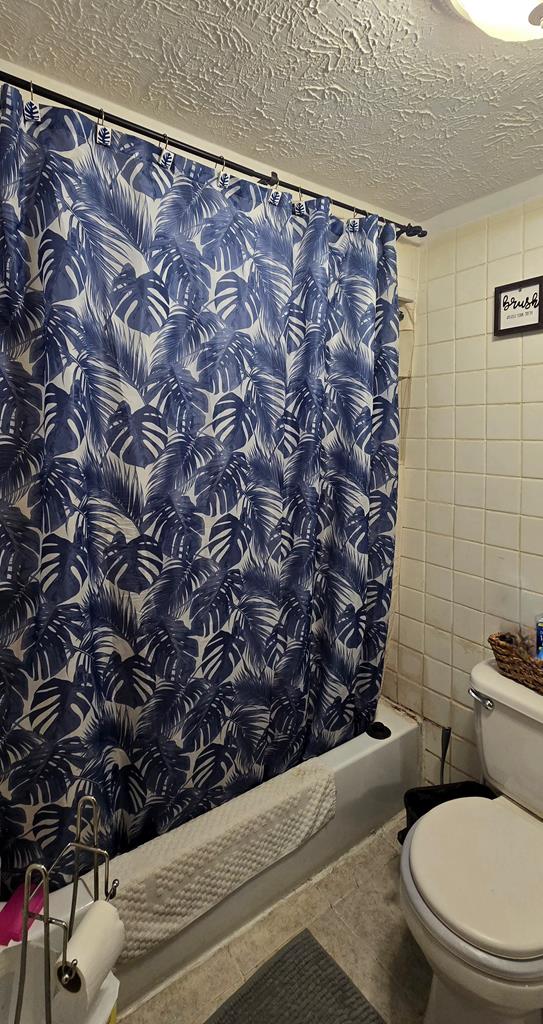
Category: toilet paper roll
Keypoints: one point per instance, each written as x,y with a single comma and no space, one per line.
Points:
96,944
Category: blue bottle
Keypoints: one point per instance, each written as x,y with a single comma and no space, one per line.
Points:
539,637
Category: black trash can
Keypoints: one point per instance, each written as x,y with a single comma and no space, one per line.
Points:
422,799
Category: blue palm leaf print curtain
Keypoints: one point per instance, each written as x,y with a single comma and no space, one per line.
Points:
198,463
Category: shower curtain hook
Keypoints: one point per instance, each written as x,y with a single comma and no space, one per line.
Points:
223,177
31,110
103,133
166,156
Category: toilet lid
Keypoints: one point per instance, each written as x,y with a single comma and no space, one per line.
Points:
478,865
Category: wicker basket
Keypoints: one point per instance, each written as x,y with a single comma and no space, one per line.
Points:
513,661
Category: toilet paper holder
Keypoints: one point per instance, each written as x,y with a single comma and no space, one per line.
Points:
66,972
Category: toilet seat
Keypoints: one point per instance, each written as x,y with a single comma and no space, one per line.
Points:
523,972
478,865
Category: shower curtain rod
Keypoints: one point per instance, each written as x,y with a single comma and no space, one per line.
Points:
409,230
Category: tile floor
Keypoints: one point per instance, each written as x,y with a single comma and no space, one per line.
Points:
352,908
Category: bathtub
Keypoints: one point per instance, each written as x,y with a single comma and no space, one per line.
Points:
371,777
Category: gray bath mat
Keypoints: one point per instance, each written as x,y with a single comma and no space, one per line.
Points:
301,984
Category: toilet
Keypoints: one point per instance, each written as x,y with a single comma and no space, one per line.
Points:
472,871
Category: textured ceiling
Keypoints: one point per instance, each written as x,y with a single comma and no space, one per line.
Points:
400,102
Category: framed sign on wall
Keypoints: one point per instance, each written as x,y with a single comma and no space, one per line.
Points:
518,307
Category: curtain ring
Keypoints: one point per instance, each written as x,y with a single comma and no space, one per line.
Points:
164,143
300,200
101,116
31,92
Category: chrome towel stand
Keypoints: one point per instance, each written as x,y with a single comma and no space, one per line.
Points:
66,972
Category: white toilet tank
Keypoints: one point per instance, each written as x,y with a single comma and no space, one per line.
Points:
509,736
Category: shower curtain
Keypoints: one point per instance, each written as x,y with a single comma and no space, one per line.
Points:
198,471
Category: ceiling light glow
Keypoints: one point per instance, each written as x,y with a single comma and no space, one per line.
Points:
510,20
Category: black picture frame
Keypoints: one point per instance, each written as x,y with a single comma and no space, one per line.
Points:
504,332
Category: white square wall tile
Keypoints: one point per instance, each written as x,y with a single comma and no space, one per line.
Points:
412,512
441,325
505,235
468,557
502,600
470,388
439,550
531,535
470,285
438,643
439,518
504,351
414,483
412,603
465,757
469,524
411,633
439,582
468,623
441,422
532,421
470,457
503,422
470,353
418,363
503,458
531,574
436,708
503,271
470,422
532,459
532,263
410,695
416,393
441,256
503,385
532,348
437,676
441,293
469,489
410,663
502,565
531,607
502,530
413,544
438,612
497,624
441,357
466,654
441,389
532,382
502,493
468,590
390,685
412,573
461,682
533,223
471,245
531,500
414,452
413,423
470,320
440,486
463,722
440,454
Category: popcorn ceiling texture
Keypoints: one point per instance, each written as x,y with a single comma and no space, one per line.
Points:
400,101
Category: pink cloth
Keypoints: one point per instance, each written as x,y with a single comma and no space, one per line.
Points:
11,916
